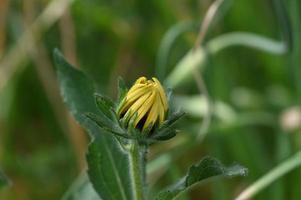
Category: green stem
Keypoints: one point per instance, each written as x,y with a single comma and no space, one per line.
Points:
137,164
270,177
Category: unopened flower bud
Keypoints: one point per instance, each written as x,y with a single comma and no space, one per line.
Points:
145,104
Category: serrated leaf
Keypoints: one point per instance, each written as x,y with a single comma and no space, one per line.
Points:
76,89
3,180
207,168
107,162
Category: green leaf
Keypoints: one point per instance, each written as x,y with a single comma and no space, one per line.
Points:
3,180
108,163
207,168
81,189
108,168
76,89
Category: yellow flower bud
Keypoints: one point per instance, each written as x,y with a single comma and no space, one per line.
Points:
144,104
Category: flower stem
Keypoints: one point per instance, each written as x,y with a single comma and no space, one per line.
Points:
137,164
274,174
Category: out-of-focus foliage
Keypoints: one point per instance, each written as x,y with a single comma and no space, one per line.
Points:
256,124
3,180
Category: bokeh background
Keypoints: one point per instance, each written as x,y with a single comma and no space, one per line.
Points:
255,94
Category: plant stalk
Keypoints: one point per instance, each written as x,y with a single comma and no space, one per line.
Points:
137,165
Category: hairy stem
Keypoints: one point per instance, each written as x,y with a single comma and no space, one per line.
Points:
137,164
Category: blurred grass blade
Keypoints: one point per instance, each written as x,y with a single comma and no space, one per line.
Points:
270,177
11,62
182,71
197,58
295,58
284,23
207,168
166,44
107,162
250,40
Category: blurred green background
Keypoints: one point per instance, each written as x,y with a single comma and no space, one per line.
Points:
255,94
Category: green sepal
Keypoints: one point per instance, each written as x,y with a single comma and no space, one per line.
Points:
167,134
148,129
169,94
130,126
172,119
122,89
114,128
131,133
105,106
166,131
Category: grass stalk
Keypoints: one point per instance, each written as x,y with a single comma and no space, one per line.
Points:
270,177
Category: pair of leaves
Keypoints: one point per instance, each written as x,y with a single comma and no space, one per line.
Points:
108,164
207,168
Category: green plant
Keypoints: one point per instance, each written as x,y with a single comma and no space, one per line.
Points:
116,155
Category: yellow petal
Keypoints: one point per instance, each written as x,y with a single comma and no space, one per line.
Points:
162,94
145,108
142,79
137,104
137,92
161,114
132,97
152,115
